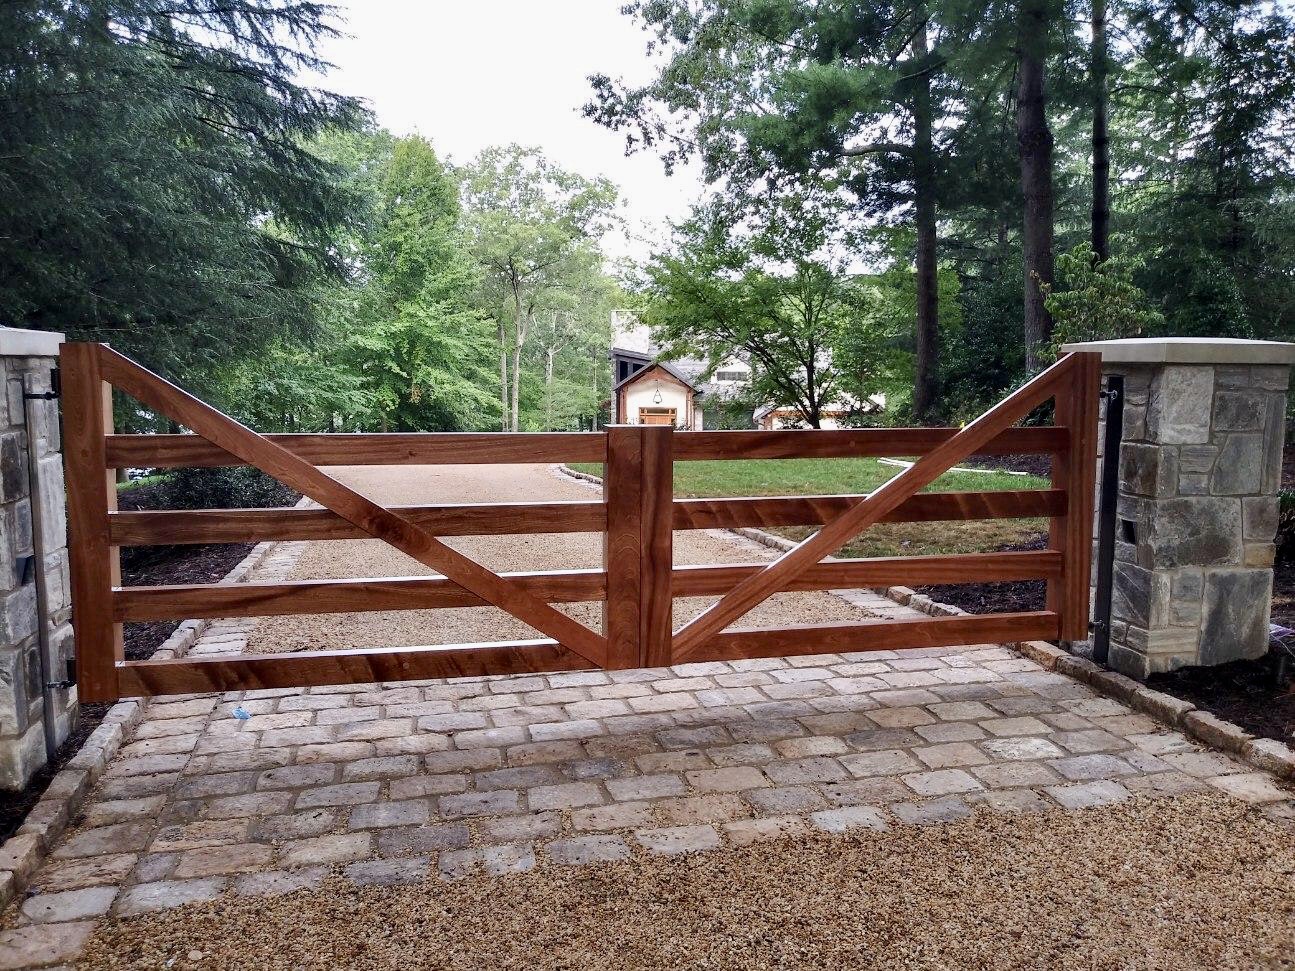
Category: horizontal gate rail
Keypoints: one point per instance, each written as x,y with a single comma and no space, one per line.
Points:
245,671
688,640
857,443
880,635
495,448
637,516
509,518
418,448
209,600
259,525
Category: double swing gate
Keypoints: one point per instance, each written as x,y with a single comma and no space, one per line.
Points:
636,515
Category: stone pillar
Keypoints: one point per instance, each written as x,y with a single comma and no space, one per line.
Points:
1199,469
29,357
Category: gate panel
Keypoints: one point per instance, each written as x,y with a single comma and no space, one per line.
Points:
637,513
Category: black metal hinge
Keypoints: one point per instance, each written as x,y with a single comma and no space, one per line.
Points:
55,388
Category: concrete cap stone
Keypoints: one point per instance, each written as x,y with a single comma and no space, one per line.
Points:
1188,350
15,342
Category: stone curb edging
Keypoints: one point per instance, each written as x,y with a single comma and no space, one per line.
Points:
49,818
1267,754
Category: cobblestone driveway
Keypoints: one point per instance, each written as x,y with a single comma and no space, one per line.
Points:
398,783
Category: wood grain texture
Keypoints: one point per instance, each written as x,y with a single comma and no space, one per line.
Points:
376,520
656,547
833,535
815,510
855,443
248,671
209,600
417,448
260,525
1074,470
94,563
622,553
880,635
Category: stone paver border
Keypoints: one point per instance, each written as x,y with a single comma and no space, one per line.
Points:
788,807
1267,754
25,851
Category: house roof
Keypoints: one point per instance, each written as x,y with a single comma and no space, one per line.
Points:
669,369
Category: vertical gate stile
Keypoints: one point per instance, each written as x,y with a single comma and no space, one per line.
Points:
1074,470
622,556
657,545
95,565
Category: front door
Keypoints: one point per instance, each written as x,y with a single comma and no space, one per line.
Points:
656,416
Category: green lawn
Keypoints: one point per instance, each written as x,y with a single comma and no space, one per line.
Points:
787,477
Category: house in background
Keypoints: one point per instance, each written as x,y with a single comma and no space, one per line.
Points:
647,390
831,415
650,391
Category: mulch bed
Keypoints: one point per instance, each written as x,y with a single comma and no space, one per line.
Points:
159,565
14,806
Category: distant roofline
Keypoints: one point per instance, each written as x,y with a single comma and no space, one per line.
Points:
664,366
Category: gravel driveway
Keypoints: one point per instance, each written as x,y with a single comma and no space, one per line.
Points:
408,485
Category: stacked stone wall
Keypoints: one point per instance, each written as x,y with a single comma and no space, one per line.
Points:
1199,467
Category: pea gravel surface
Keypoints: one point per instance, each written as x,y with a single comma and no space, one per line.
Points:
1191,882
417,484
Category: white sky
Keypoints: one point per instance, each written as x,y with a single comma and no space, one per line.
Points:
484,72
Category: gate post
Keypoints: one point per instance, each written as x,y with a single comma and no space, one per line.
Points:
1197,509
638,491
92,494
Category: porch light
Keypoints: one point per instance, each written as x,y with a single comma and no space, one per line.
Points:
656,396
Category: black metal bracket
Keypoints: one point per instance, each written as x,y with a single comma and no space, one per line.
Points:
1108,497
55,389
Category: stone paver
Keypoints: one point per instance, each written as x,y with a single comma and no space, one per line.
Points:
387,784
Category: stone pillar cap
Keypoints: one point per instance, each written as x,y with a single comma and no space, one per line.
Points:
15,342
1188,350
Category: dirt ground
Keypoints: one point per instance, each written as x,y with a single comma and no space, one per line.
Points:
1192,882
550,551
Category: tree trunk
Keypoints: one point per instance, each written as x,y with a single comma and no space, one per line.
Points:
503,374
522,321
928,294
548,388
1034,141
1101,231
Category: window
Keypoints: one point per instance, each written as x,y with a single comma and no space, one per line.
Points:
730,376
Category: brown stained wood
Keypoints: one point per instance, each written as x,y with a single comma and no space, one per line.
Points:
94,564
209,600
247,671
880,635
1075,471
656,546
855,443
259,525
418,448
379,522
689,638
622,542
815,510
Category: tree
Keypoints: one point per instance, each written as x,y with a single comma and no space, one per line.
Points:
1097,300
533,229
1035,142
159,187
714,295
774,95
413,334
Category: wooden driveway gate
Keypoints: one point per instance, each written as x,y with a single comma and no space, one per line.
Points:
637,515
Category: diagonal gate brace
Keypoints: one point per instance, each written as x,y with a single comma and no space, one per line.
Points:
376,520
752,591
